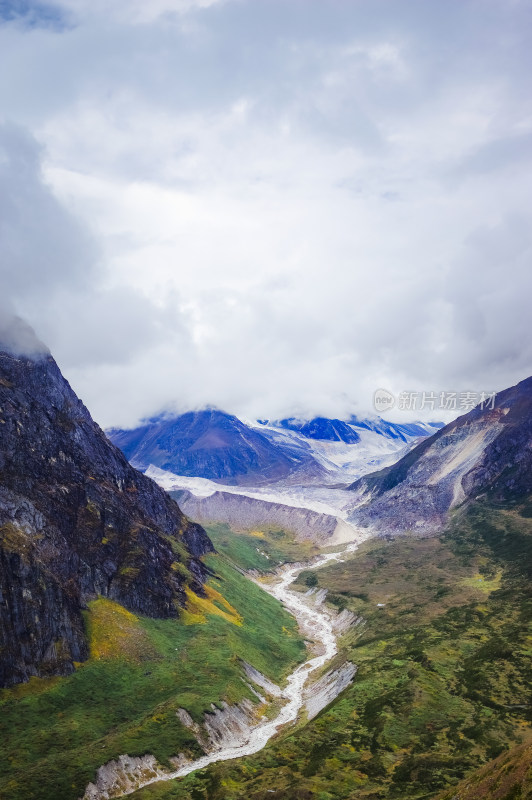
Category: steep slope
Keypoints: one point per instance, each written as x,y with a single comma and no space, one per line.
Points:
133,700
508,777
210,444
488,450
76,521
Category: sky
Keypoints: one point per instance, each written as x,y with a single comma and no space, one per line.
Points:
275,207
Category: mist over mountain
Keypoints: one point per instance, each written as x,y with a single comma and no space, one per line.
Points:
18,338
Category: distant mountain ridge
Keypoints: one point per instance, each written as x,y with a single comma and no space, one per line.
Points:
215,445
329,430
210,444
406,431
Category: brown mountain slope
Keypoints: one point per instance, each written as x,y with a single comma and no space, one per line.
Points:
508,777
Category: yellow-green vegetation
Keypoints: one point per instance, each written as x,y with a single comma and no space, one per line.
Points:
256,549
483,584
114,632
443,685
15,540
54,734
508,777
199,608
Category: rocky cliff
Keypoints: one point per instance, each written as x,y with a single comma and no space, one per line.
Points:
76,521
487,451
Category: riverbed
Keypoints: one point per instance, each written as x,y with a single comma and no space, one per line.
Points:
316,623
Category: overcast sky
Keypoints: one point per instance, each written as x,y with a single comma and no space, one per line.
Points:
271,206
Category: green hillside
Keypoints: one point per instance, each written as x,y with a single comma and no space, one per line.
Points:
444,679
55,733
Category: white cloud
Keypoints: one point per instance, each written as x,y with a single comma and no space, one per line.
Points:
289,209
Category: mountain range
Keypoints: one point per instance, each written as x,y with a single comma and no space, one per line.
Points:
215,445
142,632
211,444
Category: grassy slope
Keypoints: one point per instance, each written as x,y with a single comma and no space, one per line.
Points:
259,549
55,733
444,678
508,777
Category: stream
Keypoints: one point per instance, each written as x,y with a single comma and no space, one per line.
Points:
316,623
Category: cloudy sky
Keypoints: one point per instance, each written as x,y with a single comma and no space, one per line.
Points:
272,206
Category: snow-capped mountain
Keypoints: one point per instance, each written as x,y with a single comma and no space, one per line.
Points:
346,449
321,429
406,431
294,473
215,445
218,446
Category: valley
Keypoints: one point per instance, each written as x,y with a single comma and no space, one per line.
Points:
265,400
124,699
365,638
238,739
443,684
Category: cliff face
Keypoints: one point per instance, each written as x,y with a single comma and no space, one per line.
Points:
76,521
485,451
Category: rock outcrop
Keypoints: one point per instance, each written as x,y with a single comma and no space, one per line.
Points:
327,688
125,774
487,451
76,521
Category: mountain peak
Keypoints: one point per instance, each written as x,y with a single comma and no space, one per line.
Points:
209,444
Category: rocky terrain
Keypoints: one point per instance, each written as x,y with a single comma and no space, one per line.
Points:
487,451
76,521
245,513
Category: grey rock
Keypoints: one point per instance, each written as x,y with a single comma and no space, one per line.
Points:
487,451
76,521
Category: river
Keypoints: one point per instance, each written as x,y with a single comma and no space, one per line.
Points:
315,622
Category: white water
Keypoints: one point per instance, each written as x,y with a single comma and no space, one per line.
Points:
315,622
